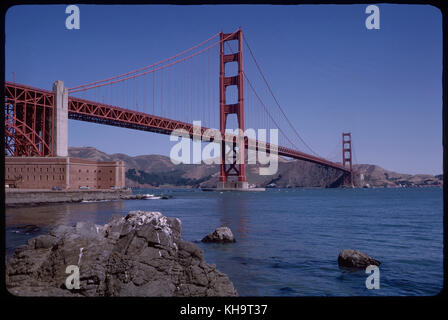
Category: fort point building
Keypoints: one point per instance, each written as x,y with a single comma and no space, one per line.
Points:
63,173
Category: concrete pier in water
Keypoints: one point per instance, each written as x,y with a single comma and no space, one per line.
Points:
239,186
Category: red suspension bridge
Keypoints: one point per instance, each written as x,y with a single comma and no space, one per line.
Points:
167,96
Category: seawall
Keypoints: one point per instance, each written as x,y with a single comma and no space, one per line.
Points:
18,197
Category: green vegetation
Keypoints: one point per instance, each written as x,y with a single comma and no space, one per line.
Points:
173,178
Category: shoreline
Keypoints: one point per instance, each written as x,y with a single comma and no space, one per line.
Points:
35,197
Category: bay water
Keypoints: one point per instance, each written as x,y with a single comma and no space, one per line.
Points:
288,240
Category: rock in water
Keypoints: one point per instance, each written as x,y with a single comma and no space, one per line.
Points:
221,234
355,259
141,254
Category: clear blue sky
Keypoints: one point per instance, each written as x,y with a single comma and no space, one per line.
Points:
329,72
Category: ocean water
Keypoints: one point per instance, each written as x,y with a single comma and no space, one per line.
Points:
288,240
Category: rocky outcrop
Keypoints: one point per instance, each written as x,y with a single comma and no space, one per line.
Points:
355,259
141,254
221,235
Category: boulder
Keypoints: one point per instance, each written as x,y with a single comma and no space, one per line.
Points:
141,254
355,259
221,235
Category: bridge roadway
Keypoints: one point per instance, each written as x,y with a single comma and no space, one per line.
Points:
90,111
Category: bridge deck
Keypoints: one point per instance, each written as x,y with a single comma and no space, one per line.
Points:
85,110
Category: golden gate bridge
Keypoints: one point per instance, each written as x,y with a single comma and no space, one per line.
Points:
163,97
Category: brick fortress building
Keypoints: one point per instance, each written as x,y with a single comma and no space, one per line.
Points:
63,173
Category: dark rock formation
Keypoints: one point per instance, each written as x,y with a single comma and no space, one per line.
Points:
221,234
141,254
355,259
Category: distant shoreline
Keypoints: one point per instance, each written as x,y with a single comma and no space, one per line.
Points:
31,198
158,172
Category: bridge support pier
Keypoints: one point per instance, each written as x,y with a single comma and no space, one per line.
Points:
232,185
60,123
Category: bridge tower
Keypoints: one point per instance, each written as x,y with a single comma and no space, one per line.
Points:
236,167
347,157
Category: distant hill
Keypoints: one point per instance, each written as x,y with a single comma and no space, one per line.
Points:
379,177
159,171
151,170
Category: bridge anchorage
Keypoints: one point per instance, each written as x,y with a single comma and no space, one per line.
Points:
36,120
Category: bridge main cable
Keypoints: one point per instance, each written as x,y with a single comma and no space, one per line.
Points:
275,99
144,68
138,73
